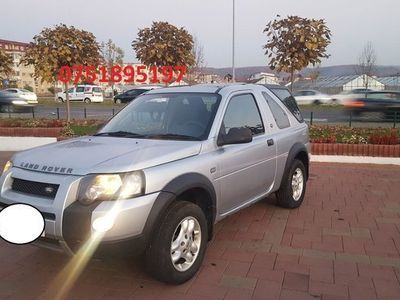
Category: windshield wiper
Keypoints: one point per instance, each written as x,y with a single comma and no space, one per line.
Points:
121,134
173,136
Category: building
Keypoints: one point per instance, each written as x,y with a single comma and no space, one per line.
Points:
22,76
337,84
391,82
263,78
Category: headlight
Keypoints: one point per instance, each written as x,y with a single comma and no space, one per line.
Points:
7,166
19,102
111,187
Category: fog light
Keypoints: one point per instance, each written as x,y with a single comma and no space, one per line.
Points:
103,224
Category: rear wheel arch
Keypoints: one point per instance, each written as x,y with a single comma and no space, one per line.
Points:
298,151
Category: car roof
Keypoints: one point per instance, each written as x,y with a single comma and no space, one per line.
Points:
207,88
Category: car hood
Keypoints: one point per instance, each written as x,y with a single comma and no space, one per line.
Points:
87,155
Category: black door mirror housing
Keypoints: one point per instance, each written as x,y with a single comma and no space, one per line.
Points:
235,136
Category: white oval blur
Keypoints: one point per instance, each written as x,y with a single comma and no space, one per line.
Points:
21,224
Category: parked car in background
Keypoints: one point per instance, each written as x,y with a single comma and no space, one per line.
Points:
129,95
29,96
11,102
351,94
85,93
387,102
311,97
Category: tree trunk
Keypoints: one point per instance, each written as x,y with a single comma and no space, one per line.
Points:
68,106
291,80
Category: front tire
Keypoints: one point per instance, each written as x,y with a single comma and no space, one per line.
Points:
87,100
178,245
118,101
293,187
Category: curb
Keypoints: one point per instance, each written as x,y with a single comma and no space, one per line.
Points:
356,159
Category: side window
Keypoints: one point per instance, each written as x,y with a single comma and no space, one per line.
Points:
80,89
279,114
71,90
288,100
242,111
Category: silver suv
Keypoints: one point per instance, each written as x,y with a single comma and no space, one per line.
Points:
158,176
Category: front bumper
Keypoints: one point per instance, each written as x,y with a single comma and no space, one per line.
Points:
69,223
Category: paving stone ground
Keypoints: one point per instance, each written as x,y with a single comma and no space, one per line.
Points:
343,243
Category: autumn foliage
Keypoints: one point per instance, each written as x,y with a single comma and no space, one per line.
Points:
294,43
164,44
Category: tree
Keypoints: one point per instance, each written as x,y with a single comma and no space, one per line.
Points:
314,74
6,64
294,43
367,63
164,44
197,68
112,55
61,46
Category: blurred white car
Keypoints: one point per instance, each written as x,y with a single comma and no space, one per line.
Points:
311,97
348,95
29,96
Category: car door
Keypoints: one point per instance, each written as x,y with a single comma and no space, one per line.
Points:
246,171
79,93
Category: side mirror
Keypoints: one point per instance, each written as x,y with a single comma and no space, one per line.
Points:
235,136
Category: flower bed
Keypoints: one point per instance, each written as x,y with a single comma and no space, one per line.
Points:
347,135
47,127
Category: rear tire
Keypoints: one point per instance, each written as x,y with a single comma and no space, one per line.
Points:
87,101
59,99
317,102
293,187
184,228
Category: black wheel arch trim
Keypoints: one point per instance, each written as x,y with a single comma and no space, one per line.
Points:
293,152
172,190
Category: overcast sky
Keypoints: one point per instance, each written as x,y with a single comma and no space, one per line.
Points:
352,22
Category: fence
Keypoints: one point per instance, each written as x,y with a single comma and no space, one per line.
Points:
320,116
353,119
49,112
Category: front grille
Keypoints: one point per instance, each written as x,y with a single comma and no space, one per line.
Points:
42,189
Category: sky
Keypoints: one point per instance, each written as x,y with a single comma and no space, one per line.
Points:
353,23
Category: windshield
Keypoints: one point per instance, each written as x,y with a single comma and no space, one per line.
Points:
166,116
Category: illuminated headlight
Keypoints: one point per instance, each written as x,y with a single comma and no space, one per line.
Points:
111,187
19,102
7,166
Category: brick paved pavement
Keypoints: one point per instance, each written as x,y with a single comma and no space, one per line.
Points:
343,243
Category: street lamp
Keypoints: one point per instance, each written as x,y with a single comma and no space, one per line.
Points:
233,41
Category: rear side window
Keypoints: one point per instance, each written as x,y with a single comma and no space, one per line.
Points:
242,111
80,89
288,100
97,90
279,114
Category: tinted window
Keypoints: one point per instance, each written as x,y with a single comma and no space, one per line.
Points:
242,111
71,90
288,100
279,114
80,89
97,90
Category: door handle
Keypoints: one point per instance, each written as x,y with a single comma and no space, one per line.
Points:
270,142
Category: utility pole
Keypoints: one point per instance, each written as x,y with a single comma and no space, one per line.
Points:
233,41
